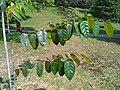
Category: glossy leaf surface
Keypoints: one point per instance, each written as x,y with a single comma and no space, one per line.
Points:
69,68
33,40
25,71
47,66
24,39
42,37
108,28
96,28
39,69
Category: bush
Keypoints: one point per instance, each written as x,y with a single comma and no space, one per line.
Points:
104,9
79,3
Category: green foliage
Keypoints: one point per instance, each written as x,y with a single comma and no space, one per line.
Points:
13,36
33,40
69,68
90,20
60,64
62,36
84,29
69,28
49,36
75,58
64,66
39,4
108,28
24,39
17,72
47,66
81,27
17,9
54,37
76,25
25,71
54,67
96,27
28,64
39,68
104,9
42,37
61,68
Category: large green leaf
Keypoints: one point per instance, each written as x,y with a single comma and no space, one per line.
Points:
108,28
47,66
24,6
29,6
75,58
54,67
25,71
90,20
62,36
84,28
24,39
69,29
69,68
33,40
42,37
18,10
29,64
13,36
60,64
77,28
87,58
96,28
61,68
54,37
39,69
15,13
15,17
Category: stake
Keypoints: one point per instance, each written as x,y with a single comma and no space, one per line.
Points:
5,45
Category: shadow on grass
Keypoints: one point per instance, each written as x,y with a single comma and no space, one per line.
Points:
40,89
103,32
114,40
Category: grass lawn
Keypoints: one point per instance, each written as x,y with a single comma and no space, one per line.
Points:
102,74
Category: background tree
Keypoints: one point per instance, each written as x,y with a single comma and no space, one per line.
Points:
104,9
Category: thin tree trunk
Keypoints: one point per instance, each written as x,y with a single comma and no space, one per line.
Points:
6,48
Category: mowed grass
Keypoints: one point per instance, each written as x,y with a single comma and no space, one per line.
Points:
102,74
41,19
37,20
